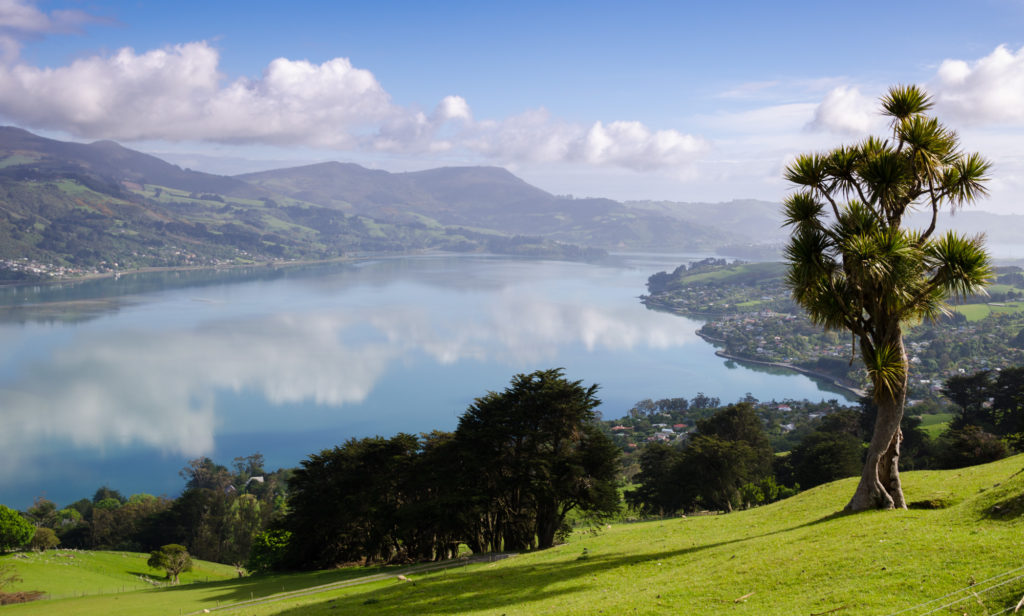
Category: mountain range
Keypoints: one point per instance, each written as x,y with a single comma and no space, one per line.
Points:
73,207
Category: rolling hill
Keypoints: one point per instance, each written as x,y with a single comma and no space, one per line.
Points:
956,551
68,208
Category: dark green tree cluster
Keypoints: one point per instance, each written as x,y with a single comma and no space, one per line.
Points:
220,511
518,463
15,531
648,407
833,449
990,417
217,516
726,463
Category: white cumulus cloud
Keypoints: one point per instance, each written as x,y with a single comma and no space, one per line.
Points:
633,145
845,110
536,137
989,90
179,94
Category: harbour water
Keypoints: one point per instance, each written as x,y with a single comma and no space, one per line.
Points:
120,382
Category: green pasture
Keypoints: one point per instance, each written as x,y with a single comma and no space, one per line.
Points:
17,159
956,551
935,424
977,312
751,271
70,573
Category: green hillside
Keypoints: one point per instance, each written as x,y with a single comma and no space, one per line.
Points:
71,208
76,573
956,552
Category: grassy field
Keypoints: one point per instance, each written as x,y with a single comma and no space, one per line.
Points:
977,312
935,424
736,274
798,556
70,573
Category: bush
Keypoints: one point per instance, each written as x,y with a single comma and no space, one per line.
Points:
15,531
968,446
268,551
44,539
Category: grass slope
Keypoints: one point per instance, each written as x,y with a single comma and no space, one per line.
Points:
935,424
794,557
69,573
743,273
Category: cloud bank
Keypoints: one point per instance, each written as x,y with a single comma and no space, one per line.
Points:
989,90
984,92
178,94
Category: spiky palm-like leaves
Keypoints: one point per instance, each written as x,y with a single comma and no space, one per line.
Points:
853,266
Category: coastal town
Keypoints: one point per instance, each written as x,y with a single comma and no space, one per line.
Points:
749,316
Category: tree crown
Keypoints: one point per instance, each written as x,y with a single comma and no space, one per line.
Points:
853,265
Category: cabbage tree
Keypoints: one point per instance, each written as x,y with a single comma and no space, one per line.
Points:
854,265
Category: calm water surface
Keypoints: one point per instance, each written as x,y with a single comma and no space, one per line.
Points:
120,382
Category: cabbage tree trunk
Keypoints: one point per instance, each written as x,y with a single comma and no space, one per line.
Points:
880,486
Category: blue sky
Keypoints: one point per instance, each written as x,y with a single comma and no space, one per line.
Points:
640,100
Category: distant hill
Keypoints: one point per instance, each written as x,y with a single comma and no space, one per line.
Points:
759,223
68,208
487,198
755,221
100,207
28,154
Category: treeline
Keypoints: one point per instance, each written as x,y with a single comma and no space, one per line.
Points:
990,421
217,516
728,462
518,463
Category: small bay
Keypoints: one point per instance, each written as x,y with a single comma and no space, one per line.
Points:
120,382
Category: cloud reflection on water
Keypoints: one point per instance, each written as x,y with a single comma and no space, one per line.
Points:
159,388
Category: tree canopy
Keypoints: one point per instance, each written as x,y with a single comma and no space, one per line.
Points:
506,479
852,265
539,456
727,457
172,558
15,531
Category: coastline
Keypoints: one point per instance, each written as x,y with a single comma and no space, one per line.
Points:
860,393
187,268
277,264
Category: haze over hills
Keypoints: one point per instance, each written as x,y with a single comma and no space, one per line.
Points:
760,223
67,207
487,198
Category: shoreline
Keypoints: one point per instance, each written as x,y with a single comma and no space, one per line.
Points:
281,264
190,268
860,393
